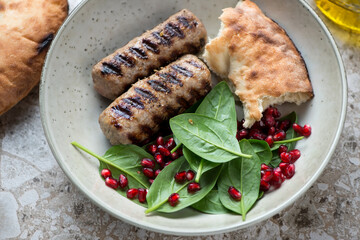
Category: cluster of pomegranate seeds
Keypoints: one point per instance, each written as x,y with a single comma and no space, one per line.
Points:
181,177
270,128
234,193
286,170
161,151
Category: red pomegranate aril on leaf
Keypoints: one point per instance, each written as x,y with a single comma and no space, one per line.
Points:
259,136
269,121
265,167
267,175
151,181
174,156
164,151
132,193
147,163
276,113
282,149
306,131
111,182
289,171
148,172
283,166
123,181
152,149
170,144
190,175
157,172
278,178
264,186
159,159
180,152
297,128
193,187
285,125
295,155
180,177
160,140
269,111
142,195
166,164
174,199
270,141
285,157
271,131
105,173
234,193
279,135
243,133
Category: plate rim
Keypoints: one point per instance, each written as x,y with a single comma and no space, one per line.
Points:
94,199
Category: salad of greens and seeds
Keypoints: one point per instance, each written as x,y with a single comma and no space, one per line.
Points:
210,163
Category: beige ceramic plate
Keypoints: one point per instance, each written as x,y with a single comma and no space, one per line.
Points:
70,107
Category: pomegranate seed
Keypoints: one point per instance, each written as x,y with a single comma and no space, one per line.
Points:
306,131
270,141
123,181
105,173
297,128
276,113
147,163
190,175
234,193
278,178
152,149
193,187
267,175
151,181
180,152
295,155
164,151
142,195
160,141
256,126
174,156
166,164
157,172
259,136
271,131
243,133
264,186
170,143
282,149
285,157
252,132
148,172
284,125
180,177
283,166
265,167
269,111
269,121
174,199
111,182
132,193
279,135
159,159
289,171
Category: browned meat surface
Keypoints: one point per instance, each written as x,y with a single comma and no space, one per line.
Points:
137,114
181,34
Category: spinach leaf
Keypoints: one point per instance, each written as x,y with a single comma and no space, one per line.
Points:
262,149
165,184
220,105
210,204
198,164
123,159
206,136
244,175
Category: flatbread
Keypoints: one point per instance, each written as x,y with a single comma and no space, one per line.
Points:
259,59
26,30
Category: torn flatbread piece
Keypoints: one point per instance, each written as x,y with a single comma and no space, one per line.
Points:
259,59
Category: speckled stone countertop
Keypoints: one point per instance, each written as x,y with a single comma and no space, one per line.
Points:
37,200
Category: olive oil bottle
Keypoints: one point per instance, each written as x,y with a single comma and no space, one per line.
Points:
345,13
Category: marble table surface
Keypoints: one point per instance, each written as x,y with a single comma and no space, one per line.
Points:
37,200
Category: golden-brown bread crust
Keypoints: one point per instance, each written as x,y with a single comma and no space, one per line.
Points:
26,29
260,60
